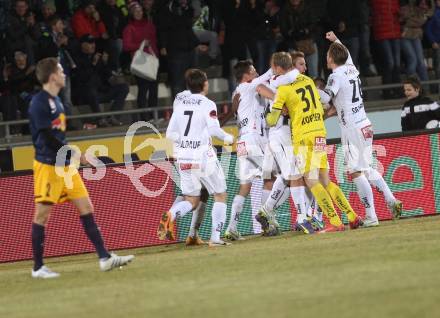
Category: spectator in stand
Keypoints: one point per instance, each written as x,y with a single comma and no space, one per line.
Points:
367,67
387,32
21,81
269,33
142,29
55,43
203,27
177,41
413,17
87,20
114,21
418,112
297,26
345,19
90,82
240,21
432,31
66,8
48,9
23,31
149,7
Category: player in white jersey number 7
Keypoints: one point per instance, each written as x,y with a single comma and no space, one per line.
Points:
344,91
193,123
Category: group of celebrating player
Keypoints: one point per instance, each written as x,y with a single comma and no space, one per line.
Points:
282,139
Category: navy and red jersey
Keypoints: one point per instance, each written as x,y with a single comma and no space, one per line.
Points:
46,114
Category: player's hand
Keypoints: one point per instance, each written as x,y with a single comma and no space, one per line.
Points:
330,112
163,51
435,46
331,36
83,160
284,111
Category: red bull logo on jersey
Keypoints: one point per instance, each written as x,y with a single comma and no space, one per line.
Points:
59,122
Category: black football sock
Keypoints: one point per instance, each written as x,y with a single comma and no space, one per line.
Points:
38,245
94,235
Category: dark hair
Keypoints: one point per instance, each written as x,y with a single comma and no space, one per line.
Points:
319,80
195,80
414,81
241,68
338,53
282,59
45,68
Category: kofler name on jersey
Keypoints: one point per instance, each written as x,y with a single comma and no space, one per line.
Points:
190,144
311,118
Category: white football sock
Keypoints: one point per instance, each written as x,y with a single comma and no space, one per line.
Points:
317,213
178,199
366,196
310,202
299,199
180,209
284,197
381,186
275,195
197,218
265,194
237,207
218,220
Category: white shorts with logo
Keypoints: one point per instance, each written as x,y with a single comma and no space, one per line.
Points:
250,155
195,175
280,158
357,145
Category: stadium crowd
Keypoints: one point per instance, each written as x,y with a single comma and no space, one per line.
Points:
95,41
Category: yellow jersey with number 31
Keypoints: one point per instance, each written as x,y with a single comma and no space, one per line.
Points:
304,106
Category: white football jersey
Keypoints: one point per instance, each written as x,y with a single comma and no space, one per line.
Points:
250,112
345,85
193,115
274,83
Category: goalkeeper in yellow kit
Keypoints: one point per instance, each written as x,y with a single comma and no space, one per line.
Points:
302,101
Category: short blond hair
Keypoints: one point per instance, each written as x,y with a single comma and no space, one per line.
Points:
283,60
295,55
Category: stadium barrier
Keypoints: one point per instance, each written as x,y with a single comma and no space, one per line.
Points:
129,219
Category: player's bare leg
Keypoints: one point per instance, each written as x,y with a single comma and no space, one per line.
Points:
218,219
197,219
107,261
236,209
41,216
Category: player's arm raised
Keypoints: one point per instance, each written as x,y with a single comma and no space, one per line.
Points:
331,36
214,126
265,92
280,99
232,111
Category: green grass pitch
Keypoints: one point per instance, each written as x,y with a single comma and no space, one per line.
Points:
389,271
